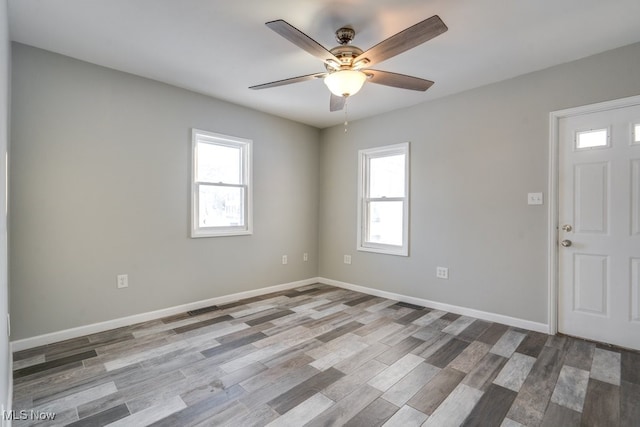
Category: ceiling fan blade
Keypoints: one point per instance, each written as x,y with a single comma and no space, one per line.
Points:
289,81
303,41
337,102
403,41
398,80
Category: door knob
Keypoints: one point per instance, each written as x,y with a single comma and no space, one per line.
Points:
567,227
566,243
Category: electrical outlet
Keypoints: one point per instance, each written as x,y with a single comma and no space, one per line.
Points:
347,259
442,272
305,257
284,259
122,281
534,198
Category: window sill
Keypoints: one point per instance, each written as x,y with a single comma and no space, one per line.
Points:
197,234
386,250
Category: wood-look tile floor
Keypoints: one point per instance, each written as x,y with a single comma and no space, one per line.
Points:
320,356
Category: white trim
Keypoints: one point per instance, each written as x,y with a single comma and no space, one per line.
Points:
363,192
552,229
66,334
93,328
245,146
554,122
483,315
9,402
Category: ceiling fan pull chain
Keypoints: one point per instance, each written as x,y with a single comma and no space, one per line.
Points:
346,118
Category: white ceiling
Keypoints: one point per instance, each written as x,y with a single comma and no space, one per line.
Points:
220,48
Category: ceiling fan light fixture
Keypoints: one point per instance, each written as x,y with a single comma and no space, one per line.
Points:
345,82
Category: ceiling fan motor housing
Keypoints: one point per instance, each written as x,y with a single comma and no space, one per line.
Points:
346,55
345,35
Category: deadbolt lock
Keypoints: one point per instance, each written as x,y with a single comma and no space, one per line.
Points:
567,227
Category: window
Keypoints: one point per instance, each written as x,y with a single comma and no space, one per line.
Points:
593,138
383,200
221,185
636,134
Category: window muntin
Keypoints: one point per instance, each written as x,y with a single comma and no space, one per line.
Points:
383,206
221,185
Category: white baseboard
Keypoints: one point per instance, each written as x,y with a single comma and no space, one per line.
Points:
483,315
93,328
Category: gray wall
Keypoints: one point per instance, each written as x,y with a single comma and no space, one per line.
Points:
100,186
474,158
5,369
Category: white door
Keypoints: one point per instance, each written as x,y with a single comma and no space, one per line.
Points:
599,220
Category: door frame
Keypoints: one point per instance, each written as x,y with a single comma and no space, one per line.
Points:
554,190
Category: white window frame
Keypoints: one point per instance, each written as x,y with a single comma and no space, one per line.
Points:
576,139
245,145
363,200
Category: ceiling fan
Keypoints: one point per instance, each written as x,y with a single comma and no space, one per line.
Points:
347,66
